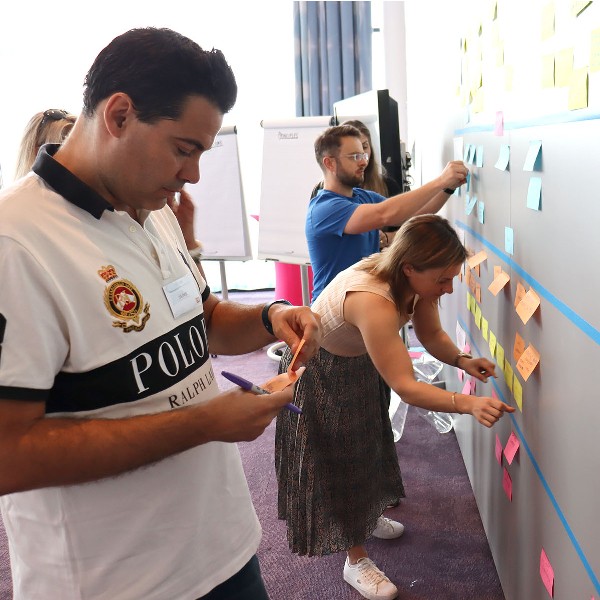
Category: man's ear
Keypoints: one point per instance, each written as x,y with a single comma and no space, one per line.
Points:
329,163
118,112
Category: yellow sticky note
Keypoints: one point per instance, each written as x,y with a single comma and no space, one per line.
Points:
508,375
548,21
492,343
564,67
508,78
578,89
484,328
478,317
548,71
500,356
518,392
528,305
499,282
528,362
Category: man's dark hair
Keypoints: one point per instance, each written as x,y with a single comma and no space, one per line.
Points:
159,69
330,141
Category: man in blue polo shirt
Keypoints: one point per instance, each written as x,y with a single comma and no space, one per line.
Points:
343,220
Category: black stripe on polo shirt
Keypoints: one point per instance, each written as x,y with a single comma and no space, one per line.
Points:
63,182
150,369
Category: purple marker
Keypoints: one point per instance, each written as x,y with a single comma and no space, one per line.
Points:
255,389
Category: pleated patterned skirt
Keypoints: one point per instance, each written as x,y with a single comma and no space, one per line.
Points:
336,464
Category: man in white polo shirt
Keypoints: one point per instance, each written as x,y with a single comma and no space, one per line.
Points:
118,478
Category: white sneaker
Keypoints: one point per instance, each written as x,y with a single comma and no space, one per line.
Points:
387,529
369,581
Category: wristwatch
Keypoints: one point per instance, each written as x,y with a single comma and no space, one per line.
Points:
265,314
461,355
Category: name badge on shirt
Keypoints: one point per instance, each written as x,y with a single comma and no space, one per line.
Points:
182,295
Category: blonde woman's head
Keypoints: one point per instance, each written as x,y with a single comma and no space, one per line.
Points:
49,127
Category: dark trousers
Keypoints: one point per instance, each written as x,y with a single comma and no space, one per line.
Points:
246,584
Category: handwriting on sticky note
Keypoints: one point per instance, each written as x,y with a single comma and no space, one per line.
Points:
528,305
499,282
521,291
512,446
547,573
281,381
507,483
528,362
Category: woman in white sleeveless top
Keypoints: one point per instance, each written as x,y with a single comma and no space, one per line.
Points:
336,463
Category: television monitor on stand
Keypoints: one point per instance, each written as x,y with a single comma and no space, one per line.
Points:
379,112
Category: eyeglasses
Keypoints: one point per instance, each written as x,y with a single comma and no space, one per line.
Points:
358,156
53,114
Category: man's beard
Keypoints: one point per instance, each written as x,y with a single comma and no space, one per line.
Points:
351,180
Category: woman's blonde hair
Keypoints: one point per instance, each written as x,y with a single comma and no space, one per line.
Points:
425,242
49,127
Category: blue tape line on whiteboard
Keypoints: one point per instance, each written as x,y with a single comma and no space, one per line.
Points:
580,323
551,496
566,117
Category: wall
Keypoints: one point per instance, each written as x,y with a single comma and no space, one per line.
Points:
548,525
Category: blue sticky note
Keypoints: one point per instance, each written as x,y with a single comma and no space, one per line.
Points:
479,156
504,158
471,153
533,155
470,204
509,243
480,211
468,186
467,152
534,193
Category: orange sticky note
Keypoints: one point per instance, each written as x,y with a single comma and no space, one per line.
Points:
511,448
518,347
528,305
547,573
507,483
497,270
476,259
478,270
499,282
281,381
478,292
528,362
520,293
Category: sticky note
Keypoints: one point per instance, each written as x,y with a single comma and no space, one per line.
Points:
478,317
528,362
521,291
547,573
507,483
534,193
548,71
508,374
476,259
528,305
533,155
564,67
470,203
479,156
548,21
484,328
518,392
499,121
578,89
503,158
481,212
499,282
498,450
595,51
500,356
511,448
518,347
477,293
509,243
492,343
466,388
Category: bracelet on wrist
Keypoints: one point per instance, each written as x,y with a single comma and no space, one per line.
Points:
459,356
449,190
265,314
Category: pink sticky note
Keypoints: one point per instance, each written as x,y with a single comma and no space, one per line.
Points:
511,447
499,126
507,484
467,349
473,384
466,388
494,395
498,450
547,573
414,354
460,374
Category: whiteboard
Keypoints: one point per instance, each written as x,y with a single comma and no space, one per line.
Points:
289,173
220,220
